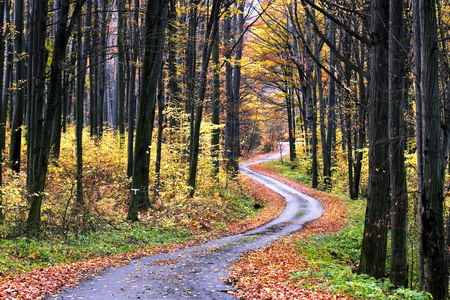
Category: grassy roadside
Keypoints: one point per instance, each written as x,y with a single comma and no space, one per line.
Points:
34,269
318,262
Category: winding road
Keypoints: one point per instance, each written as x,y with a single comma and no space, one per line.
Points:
198,272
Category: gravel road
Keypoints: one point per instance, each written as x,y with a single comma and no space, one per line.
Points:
198,272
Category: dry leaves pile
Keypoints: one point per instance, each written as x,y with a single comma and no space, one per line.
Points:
265,273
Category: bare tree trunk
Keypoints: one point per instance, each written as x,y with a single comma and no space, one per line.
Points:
2,111
215,118
374,245
155,25
159,139
132,87
434,278
62,34
120,69
331,121
399,201
20,77
212,27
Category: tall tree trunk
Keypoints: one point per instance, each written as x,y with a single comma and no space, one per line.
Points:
2,112
328,145
361,132
399,201
212,27
159,139
6,93
20,77
101,69
215,118
291,119
434,278
132,87
62,34
155,25
191,67
120,69
374,244
83,46
37,64
239,32
348,115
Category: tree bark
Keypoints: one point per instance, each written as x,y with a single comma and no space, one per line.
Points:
120,69
159,139
63,31
212,27
19,101
215,118
132,87
2,112
399,201
434,278
155,25
374,244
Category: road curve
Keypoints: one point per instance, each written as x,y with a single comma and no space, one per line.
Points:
198,272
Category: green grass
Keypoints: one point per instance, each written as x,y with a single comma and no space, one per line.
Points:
285,170
333,258
24,254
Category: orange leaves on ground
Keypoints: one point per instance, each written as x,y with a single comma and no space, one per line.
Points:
40,283
265,273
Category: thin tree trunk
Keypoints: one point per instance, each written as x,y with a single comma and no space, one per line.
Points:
207,49
132,87
6,94
120,70
159,139
191,70
215,118
20,77
2,112
331,114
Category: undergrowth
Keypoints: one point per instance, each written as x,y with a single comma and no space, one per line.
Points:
100,228
332,259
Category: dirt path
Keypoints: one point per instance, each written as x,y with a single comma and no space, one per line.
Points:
198,272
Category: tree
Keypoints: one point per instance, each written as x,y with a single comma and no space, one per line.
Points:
155,26
20,78
120,68
211,29
433,277
374,244
233,86
43,145
215,102
2,112
399,200
132,86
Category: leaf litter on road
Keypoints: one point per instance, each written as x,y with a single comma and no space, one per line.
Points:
265,273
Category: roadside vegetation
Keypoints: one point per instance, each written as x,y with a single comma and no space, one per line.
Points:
320,261
78,243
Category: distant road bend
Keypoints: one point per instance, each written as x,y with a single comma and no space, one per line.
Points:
198,272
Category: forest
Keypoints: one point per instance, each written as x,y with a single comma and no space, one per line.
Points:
132,117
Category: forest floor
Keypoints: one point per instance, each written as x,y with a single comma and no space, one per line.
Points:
262,274
265,273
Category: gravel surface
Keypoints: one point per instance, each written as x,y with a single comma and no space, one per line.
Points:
198,272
